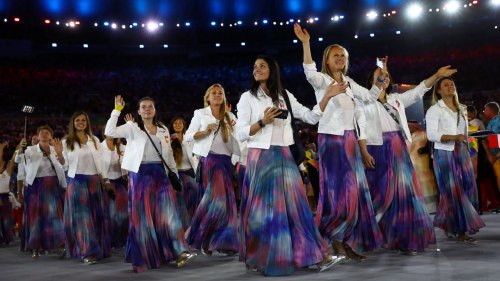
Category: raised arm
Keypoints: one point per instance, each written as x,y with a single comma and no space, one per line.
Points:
304,37
111,130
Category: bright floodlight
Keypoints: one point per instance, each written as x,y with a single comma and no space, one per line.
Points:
217,45
295,41
414,11
113,25
54,45
85,46
371,15
213,23
141,46
372,34
451,7
495,3
165,46
152,26
243,44
320,39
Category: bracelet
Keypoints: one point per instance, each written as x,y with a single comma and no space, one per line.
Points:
380,80
261,124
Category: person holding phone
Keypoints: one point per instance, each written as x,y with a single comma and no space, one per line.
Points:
155,234
344,214
397,197
214,225
277,229
447,128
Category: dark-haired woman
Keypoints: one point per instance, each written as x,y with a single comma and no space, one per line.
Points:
117,186
278,233
447,126
183,155
86,218
214,224
43,227
398,201
344,214
156,235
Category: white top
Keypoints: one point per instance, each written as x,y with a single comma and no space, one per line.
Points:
21,171
72,158
200,121
35,164
136,142
441,120
150,154
86,165
251,109
4,182
332,122
112,161
218,145
45,169
185,163
378,120
347,104
279,127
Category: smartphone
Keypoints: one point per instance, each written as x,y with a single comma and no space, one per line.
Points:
283,114
380,63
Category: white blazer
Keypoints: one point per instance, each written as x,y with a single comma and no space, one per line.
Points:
188,145
136,140
106,158
71,157
332,121
251,110
440,122
398,102
33,157
200,121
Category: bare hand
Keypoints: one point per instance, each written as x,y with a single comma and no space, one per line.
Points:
119,103
368,160
301,33
210,128
336,88
460,138
269,114
129,118
445,71
57,144
22,144
228,107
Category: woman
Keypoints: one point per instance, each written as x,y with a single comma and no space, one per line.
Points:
6,218
86,218
43,226
277,229
447,125
344,214
398,201
183,154
155,235
117,183
214,224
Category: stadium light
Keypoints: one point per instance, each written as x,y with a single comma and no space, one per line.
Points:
414,11
371,15
451,7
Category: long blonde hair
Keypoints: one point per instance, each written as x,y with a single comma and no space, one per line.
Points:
324,66
225,120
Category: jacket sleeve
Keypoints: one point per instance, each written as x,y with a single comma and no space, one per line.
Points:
194,126
65,154
104,170
363,93
412,96
244,117
432,124
316,79
303,113
359,114
124,131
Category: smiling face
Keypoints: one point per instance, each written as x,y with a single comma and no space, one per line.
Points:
337,59
147,109
216,96
447,88
261,71
44,135
80,123
178,126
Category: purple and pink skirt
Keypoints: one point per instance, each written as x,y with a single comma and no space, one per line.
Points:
457,187
398,201
6,220
118,213
345,213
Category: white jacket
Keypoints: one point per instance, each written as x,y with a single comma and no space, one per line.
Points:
106,158
398,102
200,121
332,121
33,156
71,157
439,122
251,110
136,140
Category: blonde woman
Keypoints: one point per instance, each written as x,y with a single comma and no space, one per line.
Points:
214,224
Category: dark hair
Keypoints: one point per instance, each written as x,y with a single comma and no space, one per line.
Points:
176,144
140,123
71,137
472,109
45,127
369,82
273,83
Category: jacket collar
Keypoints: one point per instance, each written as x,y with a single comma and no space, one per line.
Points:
261,93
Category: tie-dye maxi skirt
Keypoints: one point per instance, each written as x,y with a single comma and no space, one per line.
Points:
215,224
86,218
118,213
457,185
398,201
345,213
278,233
156,235
43,226
6,220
